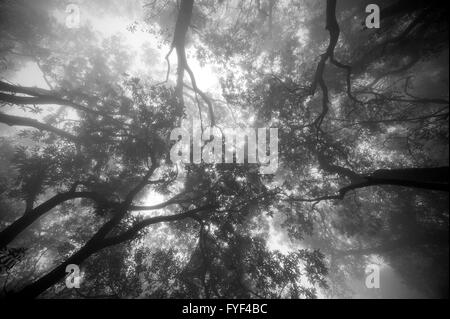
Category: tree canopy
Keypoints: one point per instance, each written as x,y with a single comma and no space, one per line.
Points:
86,177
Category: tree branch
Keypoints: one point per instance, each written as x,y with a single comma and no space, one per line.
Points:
12,231
42,96
133,231
425,178
13,120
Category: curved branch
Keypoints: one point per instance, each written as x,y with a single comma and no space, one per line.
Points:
42,96
179,40
333,28
426,178
13,120
134,230
12,231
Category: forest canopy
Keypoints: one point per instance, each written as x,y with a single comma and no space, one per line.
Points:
89,98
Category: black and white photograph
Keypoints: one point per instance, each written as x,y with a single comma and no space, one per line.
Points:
235,150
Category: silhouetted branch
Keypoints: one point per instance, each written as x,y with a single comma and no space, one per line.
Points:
13,120
134,230
11,232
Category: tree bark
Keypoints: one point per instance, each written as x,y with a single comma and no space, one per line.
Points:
11,232
42,96
428,178
36,288
13,120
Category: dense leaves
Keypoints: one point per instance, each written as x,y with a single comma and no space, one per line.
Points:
362,118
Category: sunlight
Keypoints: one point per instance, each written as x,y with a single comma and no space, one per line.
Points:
152,198
276,240
30,75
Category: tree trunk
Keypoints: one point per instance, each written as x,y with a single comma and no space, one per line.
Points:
427,178
36,288
11,232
